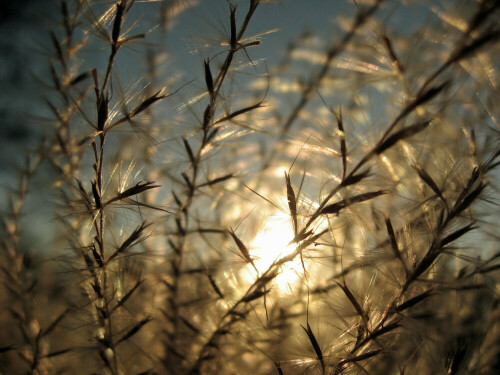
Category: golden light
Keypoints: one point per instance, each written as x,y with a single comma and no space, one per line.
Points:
273,243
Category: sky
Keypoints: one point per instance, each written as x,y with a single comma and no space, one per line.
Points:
24,46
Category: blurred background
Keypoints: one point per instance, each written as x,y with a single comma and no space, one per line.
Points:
189,32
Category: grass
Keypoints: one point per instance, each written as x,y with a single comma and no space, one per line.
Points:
334,213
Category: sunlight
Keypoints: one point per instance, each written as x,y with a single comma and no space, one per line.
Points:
272,243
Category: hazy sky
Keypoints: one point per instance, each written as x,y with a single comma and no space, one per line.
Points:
24,41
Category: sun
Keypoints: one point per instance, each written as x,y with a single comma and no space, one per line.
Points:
273,243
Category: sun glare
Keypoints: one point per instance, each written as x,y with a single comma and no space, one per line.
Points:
273,243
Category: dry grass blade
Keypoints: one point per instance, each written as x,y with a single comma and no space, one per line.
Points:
401,134
102,112
215,286
139,188
124,299
335,208
456,235
255,295
425,96
188,182
261,196
474,177
97,196
278,368
142,204
80,78
127,243
354,302
467,201
117,24
88,262
394,244
59,117
488,37
188,324
484,270
415,300
362,357
54,324
189,152
7,348
177,200
207,116
392,54
95,77
209,81
243,249
306,239
292,202
148,372
55,78
301,236
180,227
315,345
233,37
426,262
217,180
61,56
146,103
239,112
355,178
343,147
97,256
392,237
131,38
136,328
57,353
430,182
383,330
